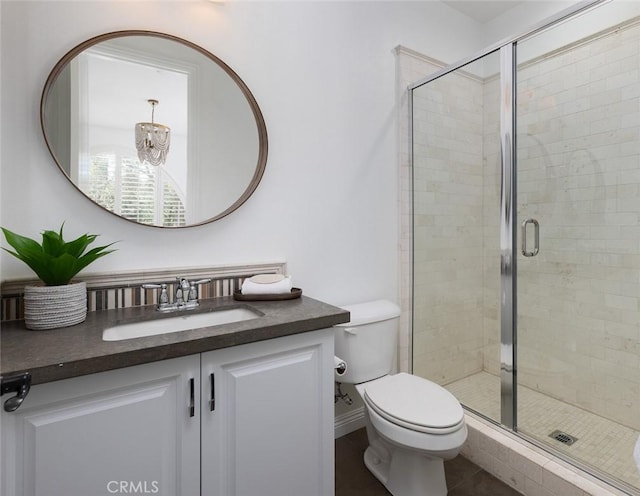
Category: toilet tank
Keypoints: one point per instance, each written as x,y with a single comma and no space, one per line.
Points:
368,342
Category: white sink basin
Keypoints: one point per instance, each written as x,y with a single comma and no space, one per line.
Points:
178,323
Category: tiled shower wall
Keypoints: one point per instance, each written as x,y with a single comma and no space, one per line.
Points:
448,228
579,176
410,66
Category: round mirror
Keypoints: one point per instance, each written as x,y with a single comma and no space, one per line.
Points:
154,129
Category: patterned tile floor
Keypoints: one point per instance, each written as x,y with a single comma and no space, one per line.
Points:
464,478
601,443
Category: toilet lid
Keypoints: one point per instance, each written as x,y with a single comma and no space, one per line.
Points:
414,402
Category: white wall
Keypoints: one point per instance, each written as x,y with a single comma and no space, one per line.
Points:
520,18
324,76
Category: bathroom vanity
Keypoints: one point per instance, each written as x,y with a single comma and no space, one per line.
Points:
230,398
243,408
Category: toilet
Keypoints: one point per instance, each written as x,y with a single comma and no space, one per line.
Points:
413,425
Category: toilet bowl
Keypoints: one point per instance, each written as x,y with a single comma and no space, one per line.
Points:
413,425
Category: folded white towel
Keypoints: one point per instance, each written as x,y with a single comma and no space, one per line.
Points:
251,287
266,278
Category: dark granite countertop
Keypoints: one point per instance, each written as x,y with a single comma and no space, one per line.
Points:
79,350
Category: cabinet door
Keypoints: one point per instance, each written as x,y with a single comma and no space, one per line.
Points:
125,431
270,431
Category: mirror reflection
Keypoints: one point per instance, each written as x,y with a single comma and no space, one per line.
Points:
154,129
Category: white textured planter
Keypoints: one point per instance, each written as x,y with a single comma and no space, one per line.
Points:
48,307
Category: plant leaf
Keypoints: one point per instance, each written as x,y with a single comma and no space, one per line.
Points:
77,247
21,243
62,269
29,251
55,262
93,255
36,263
52,243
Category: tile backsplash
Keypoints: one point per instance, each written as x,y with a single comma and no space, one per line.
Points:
121,290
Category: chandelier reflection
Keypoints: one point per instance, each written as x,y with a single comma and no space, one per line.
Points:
152,140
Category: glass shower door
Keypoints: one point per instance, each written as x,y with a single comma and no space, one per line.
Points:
578,220
456,204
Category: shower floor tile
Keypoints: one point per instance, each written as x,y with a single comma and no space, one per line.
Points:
600,442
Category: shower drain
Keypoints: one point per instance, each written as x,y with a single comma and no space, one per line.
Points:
563,437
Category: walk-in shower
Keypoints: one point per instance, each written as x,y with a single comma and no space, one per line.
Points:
526,235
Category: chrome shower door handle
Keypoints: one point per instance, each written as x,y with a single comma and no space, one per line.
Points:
536,239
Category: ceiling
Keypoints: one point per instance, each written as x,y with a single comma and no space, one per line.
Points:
481,10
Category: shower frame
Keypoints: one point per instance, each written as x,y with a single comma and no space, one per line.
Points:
507,49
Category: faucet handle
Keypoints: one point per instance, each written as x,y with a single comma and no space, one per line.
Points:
163,297
193,289
152,286
193,293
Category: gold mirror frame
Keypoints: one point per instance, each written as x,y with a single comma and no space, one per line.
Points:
257,114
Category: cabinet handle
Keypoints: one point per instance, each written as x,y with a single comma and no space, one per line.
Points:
19,384
212,401
192,400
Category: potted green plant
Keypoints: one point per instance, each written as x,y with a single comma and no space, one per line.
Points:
59,303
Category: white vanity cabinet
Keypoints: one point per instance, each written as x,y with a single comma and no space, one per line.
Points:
270,430
154,429
106,433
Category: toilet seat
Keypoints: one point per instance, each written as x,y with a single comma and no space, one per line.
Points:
414,403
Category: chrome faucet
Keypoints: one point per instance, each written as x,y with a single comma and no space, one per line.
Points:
186,294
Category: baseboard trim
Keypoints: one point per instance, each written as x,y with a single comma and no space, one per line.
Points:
349,422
